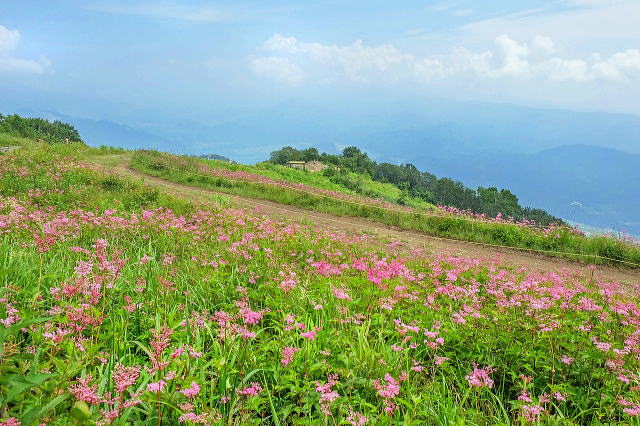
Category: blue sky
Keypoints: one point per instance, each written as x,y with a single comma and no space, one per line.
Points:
201,56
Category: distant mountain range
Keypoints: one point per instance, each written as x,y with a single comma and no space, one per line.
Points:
582,166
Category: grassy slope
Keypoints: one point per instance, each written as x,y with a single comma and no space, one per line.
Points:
10,140
594,249
383,191
101,285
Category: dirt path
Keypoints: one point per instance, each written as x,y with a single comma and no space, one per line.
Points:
408,239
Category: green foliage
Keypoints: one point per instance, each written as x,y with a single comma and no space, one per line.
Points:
288,153
422,185
38,128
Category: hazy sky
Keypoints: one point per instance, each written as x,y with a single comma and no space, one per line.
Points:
580,54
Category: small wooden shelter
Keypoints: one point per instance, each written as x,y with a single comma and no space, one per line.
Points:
297,164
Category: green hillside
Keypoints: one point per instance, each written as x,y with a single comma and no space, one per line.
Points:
268,182
348,183
120,304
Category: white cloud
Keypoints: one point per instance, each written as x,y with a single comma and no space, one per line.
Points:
164,10
558,69
279,69
9,40
279,42
356,62
506,59
429,69
619,66
513,57
542,44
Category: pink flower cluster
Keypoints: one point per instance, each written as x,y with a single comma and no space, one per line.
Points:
479,377
387,389
250,391
288,353
327,394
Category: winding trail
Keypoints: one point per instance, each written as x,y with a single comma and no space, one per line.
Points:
408,239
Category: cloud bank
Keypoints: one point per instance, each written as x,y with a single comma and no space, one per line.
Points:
291,61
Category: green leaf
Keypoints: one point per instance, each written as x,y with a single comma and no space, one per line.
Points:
20,383
37,413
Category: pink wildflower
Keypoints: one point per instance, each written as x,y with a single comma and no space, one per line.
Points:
252,317
356,419
417,367
287,355
560,396
524,396
12,315
125,377
83,268
389,389
567,359
178,352
187,406
311,334
532,413
253,390
327,394
191,391
341,294
479,377
439,360
156,386
84,391
632,411
188,417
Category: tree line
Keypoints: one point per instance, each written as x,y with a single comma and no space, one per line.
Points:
412,182
38,128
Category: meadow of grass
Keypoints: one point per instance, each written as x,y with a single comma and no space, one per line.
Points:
368,187
120,305
558,241
10,140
